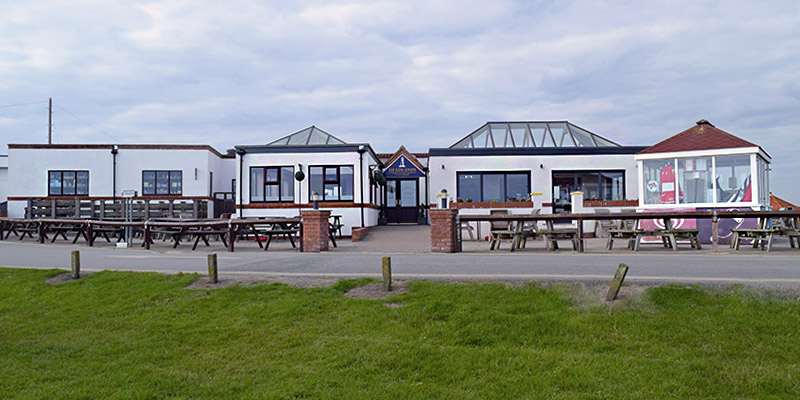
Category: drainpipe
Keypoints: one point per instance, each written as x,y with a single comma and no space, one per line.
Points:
114,151
426,170
241,153
361,150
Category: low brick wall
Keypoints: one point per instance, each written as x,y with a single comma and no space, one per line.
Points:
315,230
443,231
360,233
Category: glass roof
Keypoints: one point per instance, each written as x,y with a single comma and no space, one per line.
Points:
532,134
307,137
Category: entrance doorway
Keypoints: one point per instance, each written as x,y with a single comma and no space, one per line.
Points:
402,201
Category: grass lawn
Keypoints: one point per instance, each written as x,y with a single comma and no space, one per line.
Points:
140,335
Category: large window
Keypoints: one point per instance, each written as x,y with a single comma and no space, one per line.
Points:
68,183
595,185
659,181
704,180
493,186
694,180
733,179
272,184
162,183
331,183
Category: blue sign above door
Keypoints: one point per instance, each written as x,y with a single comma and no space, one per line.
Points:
403,168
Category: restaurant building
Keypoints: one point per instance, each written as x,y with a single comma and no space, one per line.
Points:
517,166
98,172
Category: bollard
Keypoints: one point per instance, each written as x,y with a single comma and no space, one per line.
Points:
387,274
76,264
616,283
213,276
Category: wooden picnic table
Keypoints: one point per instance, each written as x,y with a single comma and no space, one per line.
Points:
665,216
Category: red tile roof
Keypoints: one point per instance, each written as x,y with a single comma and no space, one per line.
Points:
703,136
777,203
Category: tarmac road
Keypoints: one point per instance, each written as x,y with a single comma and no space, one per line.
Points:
752,268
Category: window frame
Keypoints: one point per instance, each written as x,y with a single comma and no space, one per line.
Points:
505,182
155,182
61,179
576,172
264,183
338,182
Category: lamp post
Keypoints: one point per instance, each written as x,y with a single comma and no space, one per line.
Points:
315,197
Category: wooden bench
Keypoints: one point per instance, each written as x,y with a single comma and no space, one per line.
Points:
672,235
630,231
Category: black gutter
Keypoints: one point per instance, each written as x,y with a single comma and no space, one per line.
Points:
361,151
241,152
114,151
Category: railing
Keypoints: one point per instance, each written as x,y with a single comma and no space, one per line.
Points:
101,209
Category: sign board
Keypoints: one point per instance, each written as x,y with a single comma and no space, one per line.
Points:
129,193
402,168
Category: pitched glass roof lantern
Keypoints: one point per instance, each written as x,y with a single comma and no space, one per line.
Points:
531,134
310,136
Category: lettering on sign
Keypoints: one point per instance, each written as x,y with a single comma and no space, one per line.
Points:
401,168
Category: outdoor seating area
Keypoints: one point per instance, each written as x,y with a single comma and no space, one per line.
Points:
767,230
173,232
517,229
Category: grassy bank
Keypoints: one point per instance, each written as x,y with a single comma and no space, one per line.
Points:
134,335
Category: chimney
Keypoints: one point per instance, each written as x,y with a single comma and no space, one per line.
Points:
704,122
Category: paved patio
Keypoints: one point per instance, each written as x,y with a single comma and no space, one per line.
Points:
407,239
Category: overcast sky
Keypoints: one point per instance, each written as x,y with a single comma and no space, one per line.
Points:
418,73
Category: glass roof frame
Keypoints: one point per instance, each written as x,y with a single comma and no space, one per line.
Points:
501,135
311,136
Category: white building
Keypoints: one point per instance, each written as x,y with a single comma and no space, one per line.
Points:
102,172
336,173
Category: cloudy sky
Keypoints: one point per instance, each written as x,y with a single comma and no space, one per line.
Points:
418,73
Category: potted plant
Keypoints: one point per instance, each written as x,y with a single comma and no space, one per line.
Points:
422,219
382,216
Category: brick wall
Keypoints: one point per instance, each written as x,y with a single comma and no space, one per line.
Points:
315,230
360,233
443,231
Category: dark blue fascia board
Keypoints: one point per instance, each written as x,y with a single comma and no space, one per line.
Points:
536,151
321,148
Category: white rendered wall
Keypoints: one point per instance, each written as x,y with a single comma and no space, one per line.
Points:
351,216
3,178
541,177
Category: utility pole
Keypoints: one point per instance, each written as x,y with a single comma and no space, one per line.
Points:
50,123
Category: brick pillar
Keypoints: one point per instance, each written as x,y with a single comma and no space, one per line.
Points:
315,230
443,230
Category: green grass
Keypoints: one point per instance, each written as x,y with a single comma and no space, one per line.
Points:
136,335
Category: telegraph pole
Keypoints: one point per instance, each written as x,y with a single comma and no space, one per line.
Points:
50,123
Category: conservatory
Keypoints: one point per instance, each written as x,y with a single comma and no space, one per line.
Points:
703,167
519,163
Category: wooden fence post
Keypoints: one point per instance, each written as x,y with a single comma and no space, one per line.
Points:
387,274
616,283
76,264
213,276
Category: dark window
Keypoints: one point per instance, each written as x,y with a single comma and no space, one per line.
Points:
332,183
68,183
595,185
162,182
493,186
271,184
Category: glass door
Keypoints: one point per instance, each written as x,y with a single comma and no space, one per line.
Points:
402,201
